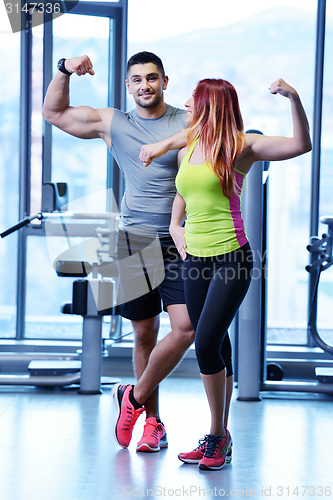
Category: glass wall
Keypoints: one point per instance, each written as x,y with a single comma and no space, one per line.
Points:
83,167
81,164
9,177
34,310
251,47
46,292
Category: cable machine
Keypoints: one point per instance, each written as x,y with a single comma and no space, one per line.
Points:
252,315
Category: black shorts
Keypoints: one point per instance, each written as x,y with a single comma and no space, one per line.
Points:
155,280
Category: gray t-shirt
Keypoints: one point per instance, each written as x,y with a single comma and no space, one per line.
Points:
149,191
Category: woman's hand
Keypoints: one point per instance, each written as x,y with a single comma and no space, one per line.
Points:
178,236
149,152
266,148
281,87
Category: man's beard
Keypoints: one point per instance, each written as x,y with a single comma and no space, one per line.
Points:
151,104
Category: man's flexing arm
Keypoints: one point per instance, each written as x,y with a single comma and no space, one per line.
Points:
82,121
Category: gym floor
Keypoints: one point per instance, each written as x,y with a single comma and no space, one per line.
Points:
58,445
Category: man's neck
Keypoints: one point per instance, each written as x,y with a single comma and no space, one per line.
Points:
151,113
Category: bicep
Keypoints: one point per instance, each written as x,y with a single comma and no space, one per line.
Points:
83,122
266,148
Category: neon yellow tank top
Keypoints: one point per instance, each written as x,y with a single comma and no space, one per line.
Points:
214,223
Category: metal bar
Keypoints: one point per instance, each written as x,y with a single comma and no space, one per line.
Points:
250,311
47,77
317,117
118,58
264,287
41,381
91,357
112,175
316,147
25,164
25,115
291,386
98,9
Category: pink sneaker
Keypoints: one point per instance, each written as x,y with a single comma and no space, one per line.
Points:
126,414
154,436
194,456
217,449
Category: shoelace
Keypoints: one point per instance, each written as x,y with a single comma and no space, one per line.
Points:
131,418
202,442
212,443
153,429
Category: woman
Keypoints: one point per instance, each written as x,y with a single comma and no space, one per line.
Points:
217,256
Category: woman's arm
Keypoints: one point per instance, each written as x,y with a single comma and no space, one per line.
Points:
151,151
176,230
267,148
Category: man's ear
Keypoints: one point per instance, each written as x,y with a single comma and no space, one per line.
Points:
165,82
128,87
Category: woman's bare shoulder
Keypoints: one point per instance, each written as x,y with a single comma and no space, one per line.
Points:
245,158
181,154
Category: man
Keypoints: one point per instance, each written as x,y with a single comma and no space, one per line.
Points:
147,203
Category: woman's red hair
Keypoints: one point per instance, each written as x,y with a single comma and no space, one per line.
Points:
218,122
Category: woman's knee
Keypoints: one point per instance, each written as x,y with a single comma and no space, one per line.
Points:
209,357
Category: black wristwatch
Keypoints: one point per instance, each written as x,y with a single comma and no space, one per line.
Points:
61,67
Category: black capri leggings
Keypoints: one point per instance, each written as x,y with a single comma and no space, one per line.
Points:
214,289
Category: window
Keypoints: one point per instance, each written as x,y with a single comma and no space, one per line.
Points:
85,166
251,47
81,164
9,179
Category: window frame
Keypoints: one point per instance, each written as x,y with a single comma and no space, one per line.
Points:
117,11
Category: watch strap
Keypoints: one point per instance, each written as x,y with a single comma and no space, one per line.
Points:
61,67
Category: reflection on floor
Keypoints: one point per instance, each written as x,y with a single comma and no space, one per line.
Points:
58,445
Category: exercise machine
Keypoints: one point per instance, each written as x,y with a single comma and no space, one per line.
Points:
92,262
321,259
254,373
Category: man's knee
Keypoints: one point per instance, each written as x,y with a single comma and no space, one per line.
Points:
181,325
189,335
146,331
184,334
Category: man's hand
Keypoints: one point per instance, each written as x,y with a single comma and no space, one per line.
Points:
84,122
281,87
79,65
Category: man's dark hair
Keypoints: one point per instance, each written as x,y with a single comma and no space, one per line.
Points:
144,58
